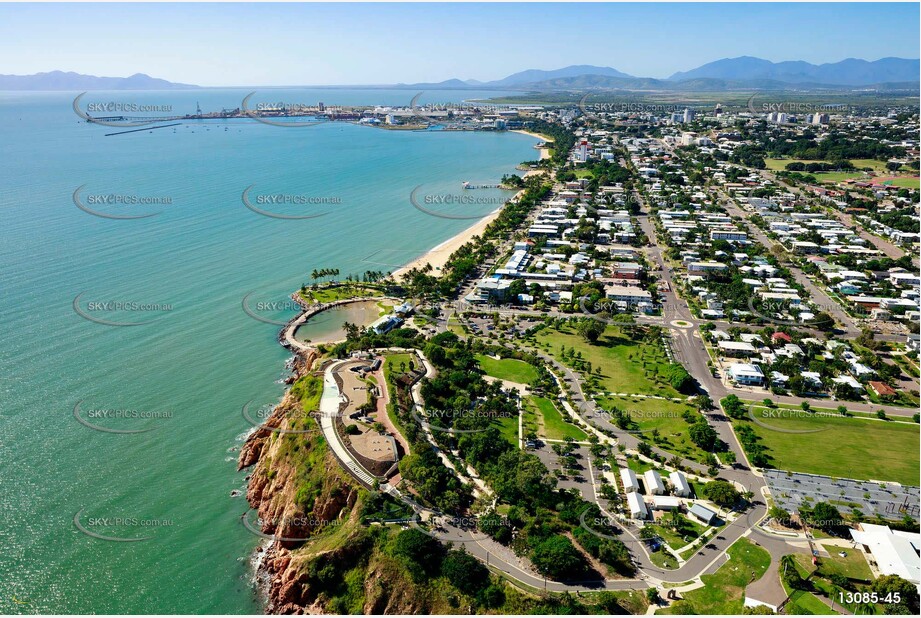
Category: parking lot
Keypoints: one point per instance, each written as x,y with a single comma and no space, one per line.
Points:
790,491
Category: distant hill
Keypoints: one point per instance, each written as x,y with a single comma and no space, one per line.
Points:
745,72
700,84
59,80
849,72
537,75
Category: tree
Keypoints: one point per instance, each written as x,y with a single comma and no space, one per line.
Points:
893,585
722,493
419,551
557,558
465,572
826,517
679,379
590,329
703,435
733,407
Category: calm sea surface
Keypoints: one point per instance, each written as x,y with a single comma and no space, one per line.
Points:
193,357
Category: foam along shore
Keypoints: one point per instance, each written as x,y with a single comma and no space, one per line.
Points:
544,152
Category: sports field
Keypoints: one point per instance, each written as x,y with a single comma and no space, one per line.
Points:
857,448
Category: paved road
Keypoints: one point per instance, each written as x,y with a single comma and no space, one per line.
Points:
819,297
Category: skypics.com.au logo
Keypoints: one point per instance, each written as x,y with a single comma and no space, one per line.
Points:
438,420
97,204
616,312
116,308
597,110
280,205
122,114
281,113
290,417
814,315
463,205
759,104
120,529
100,418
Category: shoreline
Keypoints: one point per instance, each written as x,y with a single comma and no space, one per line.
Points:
438,255
544,152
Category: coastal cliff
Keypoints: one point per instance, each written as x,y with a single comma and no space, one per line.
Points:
297,489
323,559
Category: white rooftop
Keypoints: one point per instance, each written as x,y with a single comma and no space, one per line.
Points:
896,553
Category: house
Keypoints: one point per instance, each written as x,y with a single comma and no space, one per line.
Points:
665,503
679,483
882,389
705,267
746,373
636,506
653,481
702,513
736,348
628,478
848,381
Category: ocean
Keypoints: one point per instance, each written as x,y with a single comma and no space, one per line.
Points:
137,324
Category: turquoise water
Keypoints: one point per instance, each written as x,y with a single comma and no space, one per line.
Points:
196,359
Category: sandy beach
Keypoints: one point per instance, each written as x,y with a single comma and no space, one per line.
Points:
544,152
438,256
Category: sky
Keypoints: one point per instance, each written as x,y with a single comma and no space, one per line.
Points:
338,44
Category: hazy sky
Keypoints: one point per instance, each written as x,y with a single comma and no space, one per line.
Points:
311,44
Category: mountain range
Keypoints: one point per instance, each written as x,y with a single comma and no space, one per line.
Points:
849,72
726,74
59,80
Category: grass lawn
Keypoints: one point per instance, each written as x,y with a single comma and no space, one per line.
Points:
510,369
392,364
638,466
627,365
845,447
456,327
690,531
663,559
724,591
508,427
878,166
906,183
780,165
854,565
803,602
551,424
330,294
663,416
